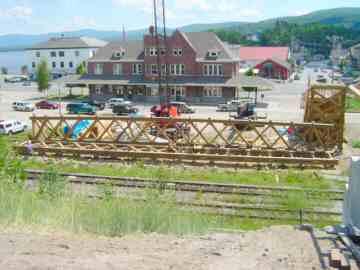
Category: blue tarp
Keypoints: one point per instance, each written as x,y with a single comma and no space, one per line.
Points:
78,129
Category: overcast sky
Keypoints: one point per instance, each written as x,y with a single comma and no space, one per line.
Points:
43,16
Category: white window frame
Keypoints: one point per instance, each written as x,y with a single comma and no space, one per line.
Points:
61,53
53,64
71,64
177,52
212,91
99,69
77,53
177,89
177,69
53,54
117,69
213,70
137,69
62,64
38,54
153,51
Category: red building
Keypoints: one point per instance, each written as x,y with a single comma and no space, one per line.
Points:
274,69
200,69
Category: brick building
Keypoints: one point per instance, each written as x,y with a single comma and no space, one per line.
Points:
200,68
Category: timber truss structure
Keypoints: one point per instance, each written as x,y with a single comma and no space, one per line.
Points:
185,140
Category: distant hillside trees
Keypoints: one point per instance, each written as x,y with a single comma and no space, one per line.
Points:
233,37
316,37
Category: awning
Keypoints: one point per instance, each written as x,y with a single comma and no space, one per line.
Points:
239,81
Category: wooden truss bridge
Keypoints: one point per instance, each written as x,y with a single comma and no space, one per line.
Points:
195,140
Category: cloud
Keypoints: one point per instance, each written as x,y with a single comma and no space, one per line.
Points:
142,5
18,12
302,12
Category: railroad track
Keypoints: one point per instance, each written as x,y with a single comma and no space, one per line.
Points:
189,186
216,208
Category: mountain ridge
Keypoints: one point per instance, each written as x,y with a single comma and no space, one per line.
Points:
348,17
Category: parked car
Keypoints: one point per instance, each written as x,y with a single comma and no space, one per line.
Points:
10,127
124,109
47,105
23,106
231,106
100,105
182,107
80,108
117,101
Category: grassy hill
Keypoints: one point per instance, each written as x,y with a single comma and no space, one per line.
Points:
349,17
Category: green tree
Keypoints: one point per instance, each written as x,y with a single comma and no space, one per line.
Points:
81,69
250,72
43,76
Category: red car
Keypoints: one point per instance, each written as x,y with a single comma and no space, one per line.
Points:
47,105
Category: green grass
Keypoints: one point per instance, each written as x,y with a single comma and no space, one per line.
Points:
51,206
75,213
294,178
353,104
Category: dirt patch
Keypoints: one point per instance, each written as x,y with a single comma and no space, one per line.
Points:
274,248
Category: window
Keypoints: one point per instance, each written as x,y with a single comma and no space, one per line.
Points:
213,70
153,51
98,89
33,64
177,69
164,69
212,91
99,69
137,69
62,64
38,54
177,91
154,69
61,54
162,51
118,91
77,53
177,52
52,54
54,64
117,69
71,65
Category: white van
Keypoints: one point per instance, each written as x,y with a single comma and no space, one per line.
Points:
11,126
23,106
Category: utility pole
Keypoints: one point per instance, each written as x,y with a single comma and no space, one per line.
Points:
162,49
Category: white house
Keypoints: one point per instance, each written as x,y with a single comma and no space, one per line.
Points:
63,55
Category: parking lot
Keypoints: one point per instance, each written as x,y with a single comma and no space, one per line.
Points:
283,103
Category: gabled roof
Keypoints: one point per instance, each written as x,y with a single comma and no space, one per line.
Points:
69,43
263,53
281,62
203,42
134,50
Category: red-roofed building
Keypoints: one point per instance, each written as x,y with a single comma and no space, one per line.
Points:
272,62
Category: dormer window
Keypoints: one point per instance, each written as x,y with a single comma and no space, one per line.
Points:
213,54
118,54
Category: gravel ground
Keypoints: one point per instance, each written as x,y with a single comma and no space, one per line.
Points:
274,248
